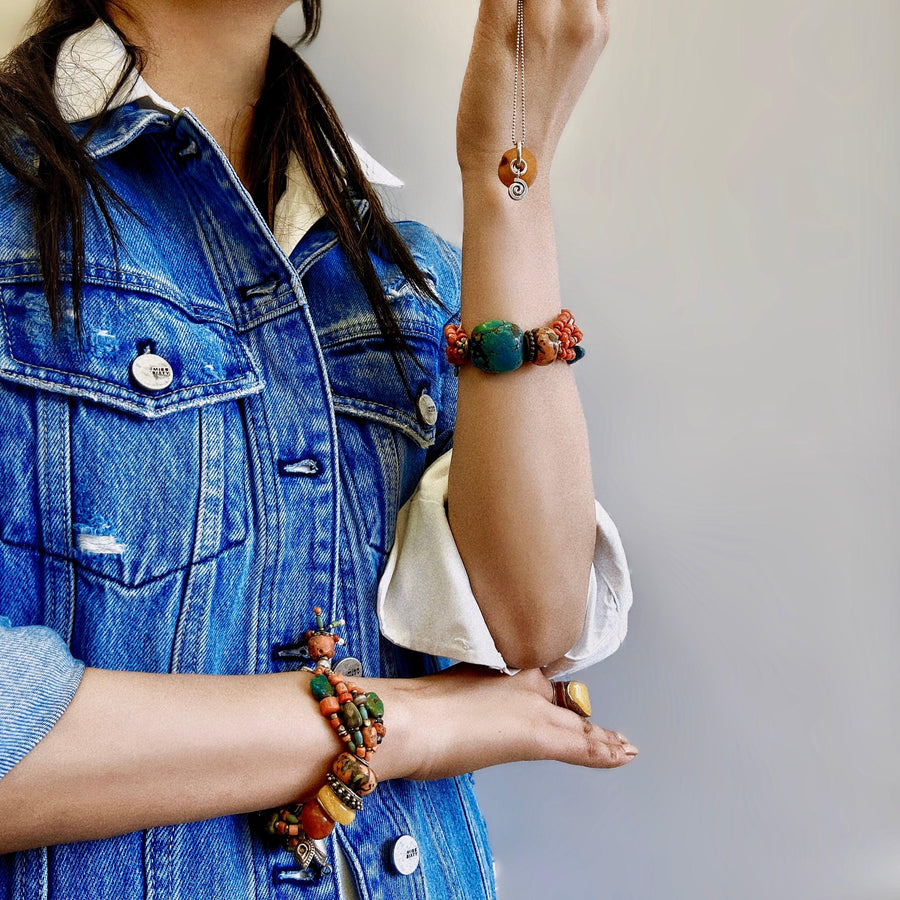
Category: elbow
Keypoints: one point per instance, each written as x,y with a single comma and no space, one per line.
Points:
532,630
534,651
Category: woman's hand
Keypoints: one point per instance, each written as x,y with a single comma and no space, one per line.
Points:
563,40
470,718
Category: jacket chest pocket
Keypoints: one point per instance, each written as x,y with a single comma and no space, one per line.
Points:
131,472
384,430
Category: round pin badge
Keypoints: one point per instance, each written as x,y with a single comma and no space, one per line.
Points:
151,372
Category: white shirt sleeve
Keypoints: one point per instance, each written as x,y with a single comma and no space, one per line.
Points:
425,602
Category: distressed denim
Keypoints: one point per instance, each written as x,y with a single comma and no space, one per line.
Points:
193,529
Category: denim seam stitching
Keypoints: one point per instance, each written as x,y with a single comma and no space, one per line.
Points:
77,563
101,276
476,842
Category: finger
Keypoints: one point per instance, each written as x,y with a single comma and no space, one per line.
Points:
581,743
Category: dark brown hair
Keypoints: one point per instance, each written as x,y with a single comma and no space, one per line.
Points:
293,115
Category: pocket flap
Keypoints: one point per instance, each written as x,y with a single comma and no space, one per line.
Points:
119,322
364,380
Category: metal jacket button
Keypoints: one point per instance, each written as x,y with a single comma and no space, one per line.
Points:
151,372
405,854
427,409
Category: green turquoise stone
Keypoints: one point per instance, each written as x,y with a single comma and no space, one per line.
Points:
374,706
357,738
497,346
350,716
321,687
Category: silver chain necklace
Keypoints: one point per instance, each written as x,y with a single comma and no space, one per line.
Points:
518,167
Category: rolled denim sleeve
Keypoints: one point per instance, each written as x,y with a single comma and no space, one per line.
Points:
38,678
425,601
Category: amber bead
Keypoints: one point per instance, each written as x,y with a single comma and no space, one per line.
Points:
578,699
316,822
370,736
507,175
329,705
332,805
355,774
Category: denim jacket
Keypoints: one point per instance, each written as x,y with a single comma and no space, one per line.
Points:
192,528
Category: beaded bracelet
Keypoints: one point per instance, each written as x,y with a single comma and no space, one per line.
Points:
501,346
357,718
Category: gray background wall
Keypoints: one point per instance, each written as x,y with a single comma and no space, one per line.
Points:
727,209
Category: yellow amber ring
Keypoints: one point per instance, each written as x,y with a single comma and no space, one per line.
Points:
572,695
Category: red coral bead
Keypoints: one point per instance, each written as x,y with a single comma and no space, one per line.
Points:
329,705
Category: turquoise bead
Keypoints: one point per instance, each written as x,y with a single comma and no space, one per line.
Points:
374,706
321,687
579,354
497,346
357,738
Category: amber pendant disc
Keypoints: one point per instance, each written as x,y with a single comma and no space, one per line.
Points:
506,169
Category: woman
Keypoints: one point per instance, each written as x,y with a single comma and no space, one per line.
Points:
224,401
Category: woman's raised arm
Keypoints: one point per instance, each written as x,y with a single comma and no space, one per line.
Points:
520,493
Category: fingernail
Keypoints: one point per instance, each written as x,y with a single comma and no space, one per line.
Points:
630,749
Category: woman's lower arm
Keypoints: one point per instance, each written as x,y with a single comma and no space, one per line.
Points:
133,751
520,493
137,750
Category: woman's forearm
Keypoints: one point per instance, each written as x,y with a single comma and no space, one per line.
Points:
137,750
520,494
133,751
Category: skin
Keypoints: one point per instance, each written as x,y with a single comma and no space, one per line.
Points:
136,750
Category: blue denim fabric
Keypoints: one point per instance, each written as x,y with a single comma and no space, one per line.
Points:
187,530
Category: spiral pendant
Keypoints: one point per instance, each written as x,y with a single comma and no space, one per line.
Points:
518,189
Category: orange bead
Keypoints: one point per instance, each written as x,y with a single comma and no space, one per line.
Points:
547,345
370,737
329,705
316,822
344,698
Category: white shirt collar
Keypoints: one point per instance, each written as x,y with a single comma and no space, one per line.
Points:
88,68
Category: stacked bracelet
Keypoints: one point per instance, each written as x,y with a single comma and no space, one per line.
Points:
357,717
501,346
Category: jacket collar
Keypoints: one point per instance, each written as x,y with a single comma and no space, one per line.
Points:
89,66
